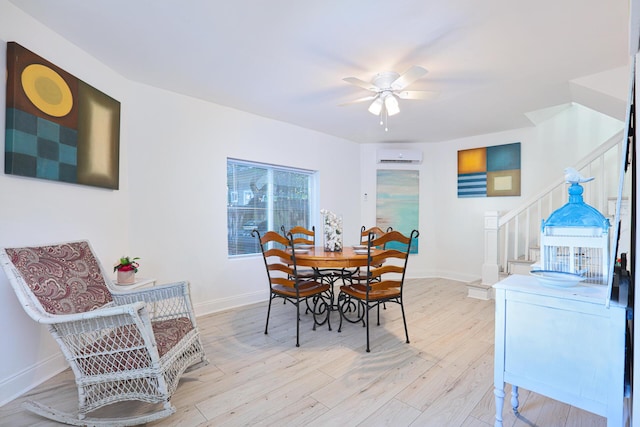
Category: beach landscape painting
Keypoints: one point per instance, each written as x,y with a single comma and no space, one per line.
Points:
397,197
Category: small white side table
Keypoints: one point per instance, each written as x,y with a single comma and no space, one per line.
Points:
139,283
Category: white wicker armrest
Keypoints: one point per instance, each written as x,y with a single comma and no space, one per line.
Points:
155,293
163,302
107,311
101,332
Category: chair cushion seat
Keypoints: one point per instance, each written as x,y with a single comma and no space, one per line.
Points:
307,288
360,291
169,332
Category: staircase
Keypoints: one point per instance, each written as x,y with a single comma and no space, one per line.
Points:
512,239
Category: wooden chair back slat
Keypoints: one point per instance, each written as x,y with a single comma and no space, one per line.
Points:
301,235
376,231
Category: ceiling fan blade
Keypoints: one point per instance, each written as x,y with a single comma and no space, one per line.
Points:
417,94
410,76
356,101
361,83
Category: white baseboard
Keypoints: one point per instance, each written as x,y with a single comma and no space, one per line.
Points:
221,304
20,383
455,275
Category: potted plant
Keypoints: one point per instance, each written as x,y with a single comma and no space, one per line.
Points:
126,268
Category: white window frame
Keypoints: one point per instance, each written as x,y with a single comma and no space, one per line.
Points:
239,239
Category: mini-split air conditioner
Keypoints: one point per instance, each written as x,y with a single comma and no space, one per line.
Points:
399,156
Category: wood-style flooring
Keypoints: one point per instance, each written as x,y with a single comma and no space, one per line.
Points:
443,378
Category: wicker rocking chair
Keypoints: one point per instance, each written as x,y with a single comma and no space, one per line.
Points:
121,346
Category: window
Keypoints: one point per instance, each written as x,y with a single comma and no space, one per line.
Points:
264,197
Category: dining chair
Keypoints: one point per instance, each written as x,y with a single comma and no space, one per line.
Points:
377,232
303,237
387,258
357,275
284,282
120,345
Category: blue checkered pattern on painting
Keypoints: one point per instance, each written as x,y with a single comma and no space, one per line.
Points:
40,148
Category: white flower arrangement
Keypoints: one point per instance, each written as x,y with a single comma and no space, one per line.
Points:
332,231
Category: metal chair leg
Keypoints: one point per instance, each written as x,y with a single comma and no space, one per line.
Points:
404,319
266,326
298,323
367,316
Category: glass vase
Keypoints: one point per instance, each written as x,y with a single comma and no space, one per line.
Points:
332,232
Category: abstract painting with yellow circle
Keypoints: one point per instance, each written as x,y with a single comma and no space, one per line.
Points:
489,171
57,126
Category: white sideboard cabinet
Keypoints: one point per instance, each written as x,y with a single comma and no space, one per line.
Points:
568,344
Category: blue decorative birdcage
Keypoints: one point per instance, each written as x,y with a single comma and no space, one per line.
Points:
575,239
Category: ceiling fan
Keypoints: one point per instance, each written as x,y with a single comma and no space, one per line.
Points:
388,87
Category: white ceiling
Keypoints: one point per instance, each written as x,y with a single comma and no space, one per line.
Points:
492,61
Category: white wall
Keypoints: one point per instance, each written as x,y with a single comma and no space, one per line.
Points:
170,209
451,228
179,218
37,211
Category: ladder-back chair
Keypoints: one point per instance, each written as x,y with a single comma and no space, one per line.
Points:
376,231
284,282
386,267
303,238
357,275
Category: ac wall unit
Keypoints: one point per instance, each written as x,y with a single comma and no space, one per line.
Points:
399,156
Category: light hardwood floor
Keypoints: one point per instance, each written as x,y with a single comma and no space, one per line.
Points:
444,377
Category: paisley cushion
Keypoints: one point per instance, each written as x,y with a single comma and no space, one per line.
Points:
65,278
169,332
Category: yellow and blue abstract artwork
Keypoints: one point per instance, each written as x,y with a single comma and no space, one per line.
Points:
58,127
489,171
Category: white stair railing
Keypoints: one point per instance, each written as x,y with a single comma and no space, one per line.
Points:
518,232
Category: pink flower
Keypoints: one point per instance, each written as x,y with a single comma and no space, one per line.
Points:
127,264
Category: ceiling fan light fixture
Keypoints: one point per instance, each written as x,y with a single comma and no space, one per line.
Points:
376,106
388,87
391,104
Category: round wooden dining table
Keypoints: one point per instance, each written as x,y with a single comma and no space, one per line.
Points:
331,266
317,257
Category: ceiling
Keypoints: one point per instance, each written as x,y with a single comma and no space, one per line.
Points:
491,61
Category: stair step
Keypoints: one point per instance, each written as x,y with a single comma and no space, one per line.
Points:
520,266
479,290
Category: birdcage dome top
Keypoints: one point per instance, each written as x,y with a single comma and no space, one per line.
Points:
576,213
